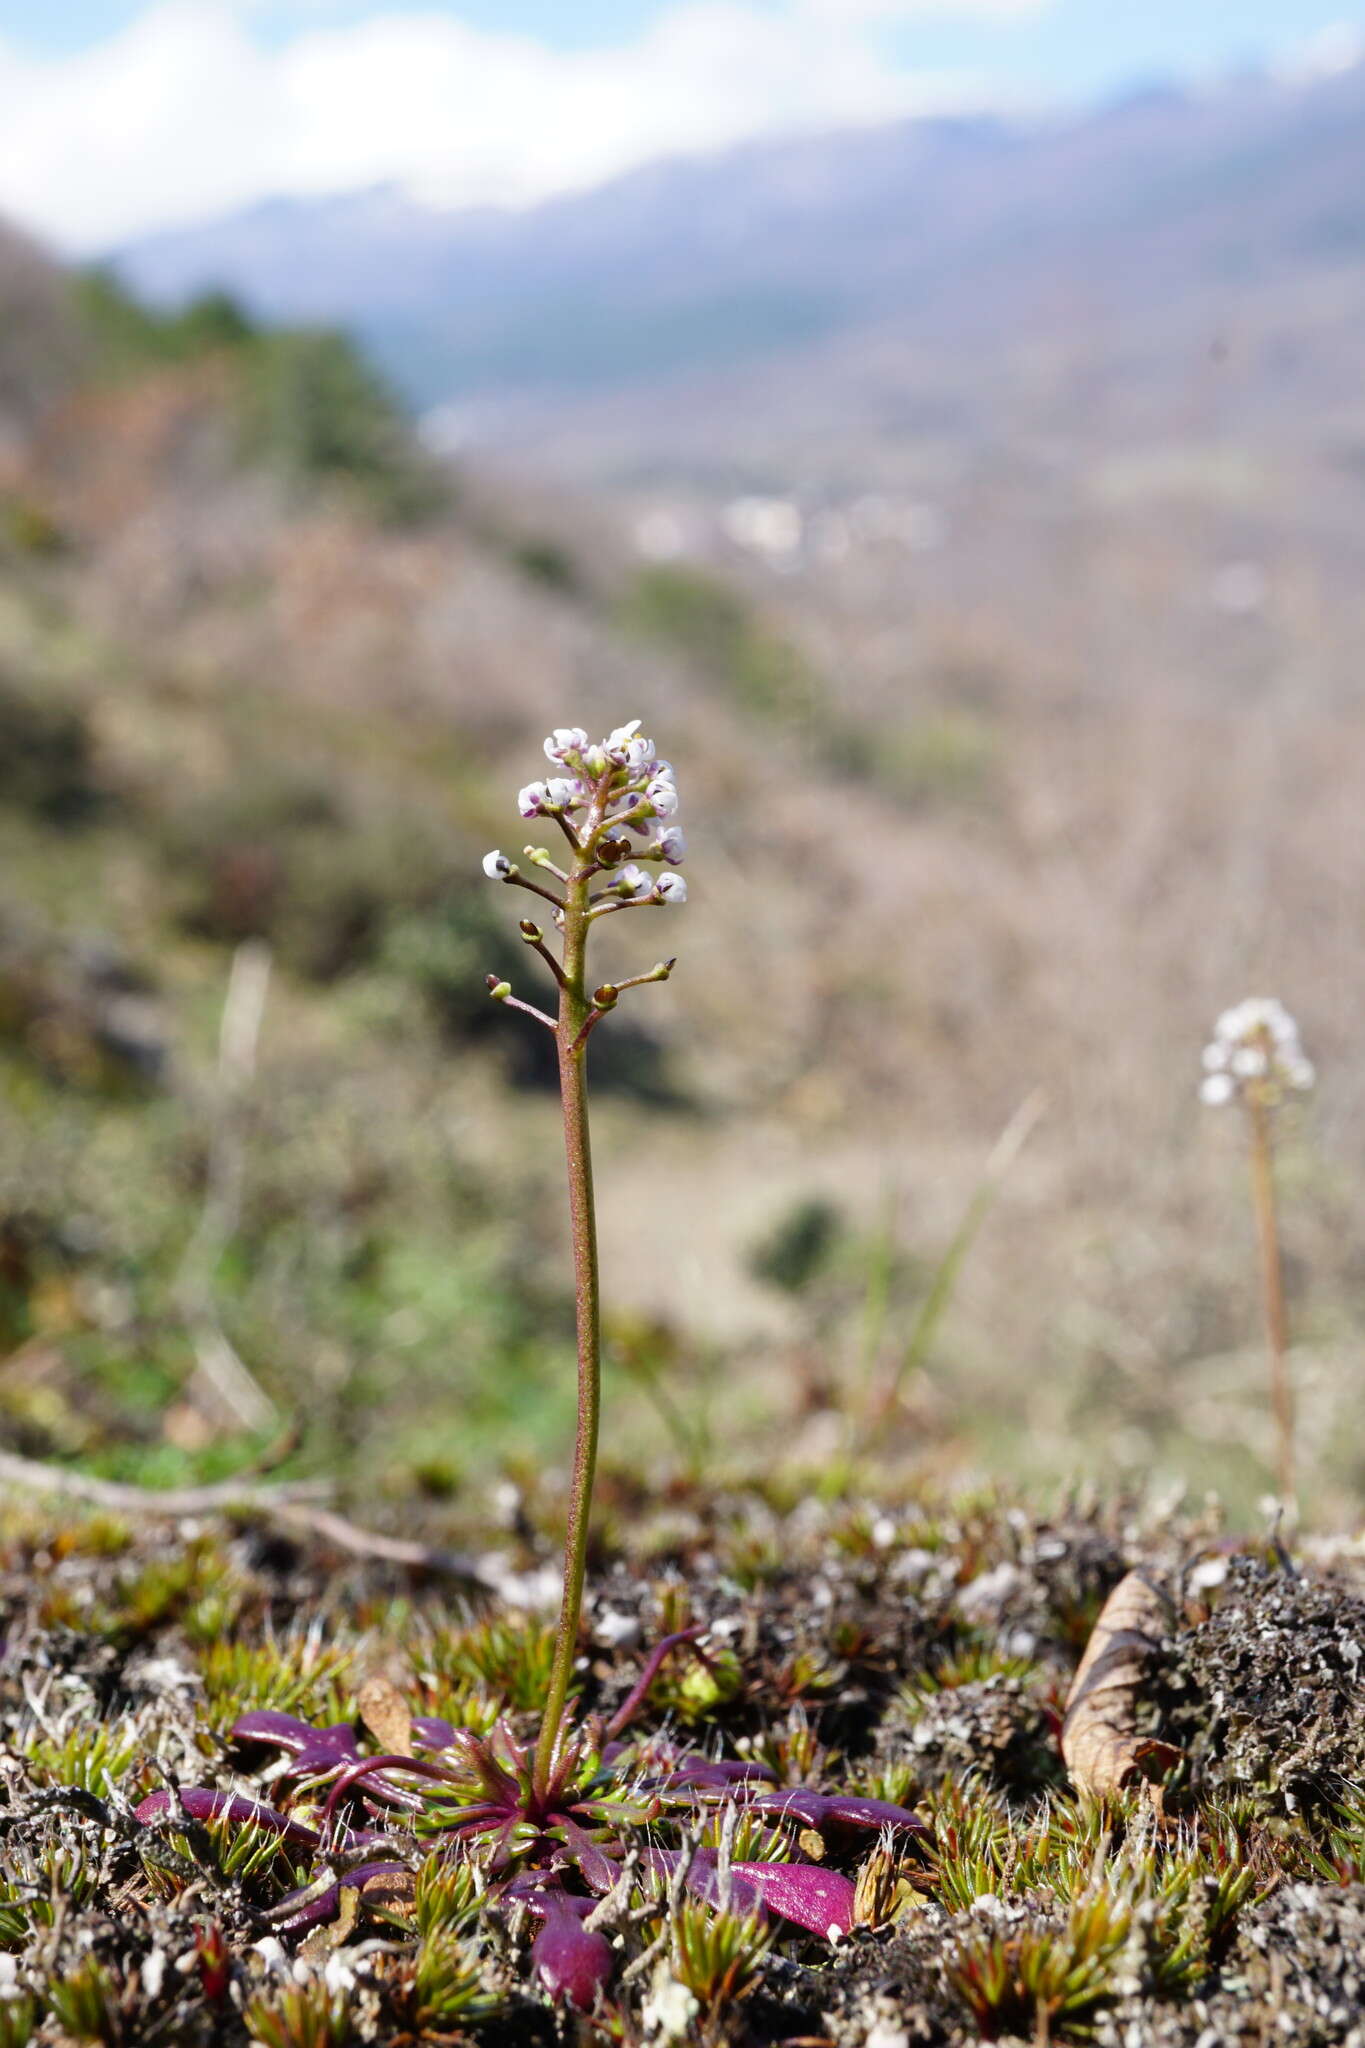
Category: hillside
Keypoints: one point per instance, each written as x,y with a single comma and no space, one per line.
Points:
960,831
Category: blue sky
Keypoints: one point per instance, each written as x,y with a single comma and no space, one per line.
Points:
1078,46
118,117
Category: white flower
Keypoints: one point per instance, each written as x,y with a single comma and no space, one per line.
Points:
532,800
617,743
671,889
565,740
496,866
663,796
633,882
596,760
638,755
671,845
1256,1041
565,792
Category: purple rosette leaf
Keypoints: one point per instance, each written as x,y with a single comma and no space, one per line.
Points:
320,1901
835,1809
819,1900
280,1731
851,1809
202,1804
366,1774
703,1879
598,1869
432,1731
572,1963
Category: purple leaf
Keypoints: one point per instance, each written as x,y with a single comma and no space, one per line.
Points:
571,1963
851,1809
315,1751
318,1761
432,1732
820,1900
201,1804
308,1907
733,1770
795,1803
543,1897
685,1638
597,1867
821,1809
282,1731
368,1767
314,1906
499,1786
703,1879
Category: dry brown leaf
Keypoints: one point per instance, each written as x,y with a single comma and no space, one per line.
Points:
1100,1742
387,1715
393,1892
333,1934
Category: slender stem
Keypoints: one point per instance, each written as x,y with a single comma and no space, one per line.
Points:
539,946
575,1008
529,1010
520,882
1272,1291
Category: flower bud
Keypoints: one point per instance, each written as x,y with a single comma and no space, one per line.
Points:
530,931
671,889
497,866
499,990
605,998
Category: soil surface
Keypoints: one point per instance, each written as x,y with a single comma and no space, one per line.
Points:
919,1654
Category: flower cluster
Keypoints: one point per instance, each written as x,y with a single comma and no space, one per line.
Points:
1255,1052
615,799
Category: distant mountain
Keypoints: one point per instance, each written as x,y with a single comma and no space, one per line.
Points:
934,232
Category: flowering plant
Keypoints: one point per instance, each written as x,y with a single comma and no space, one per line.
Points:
1255,1053
585,1831
613,804
1255,1057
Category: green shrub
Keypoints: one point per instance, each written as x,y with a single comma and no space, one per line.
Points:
711,624
317,412
310,405
47,753
799,1247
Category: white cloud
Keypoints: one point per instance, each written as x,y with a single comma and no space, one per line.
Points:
184,113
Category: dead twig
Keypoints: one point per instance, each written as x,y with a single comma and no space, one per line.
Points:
288,1503
36,1477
